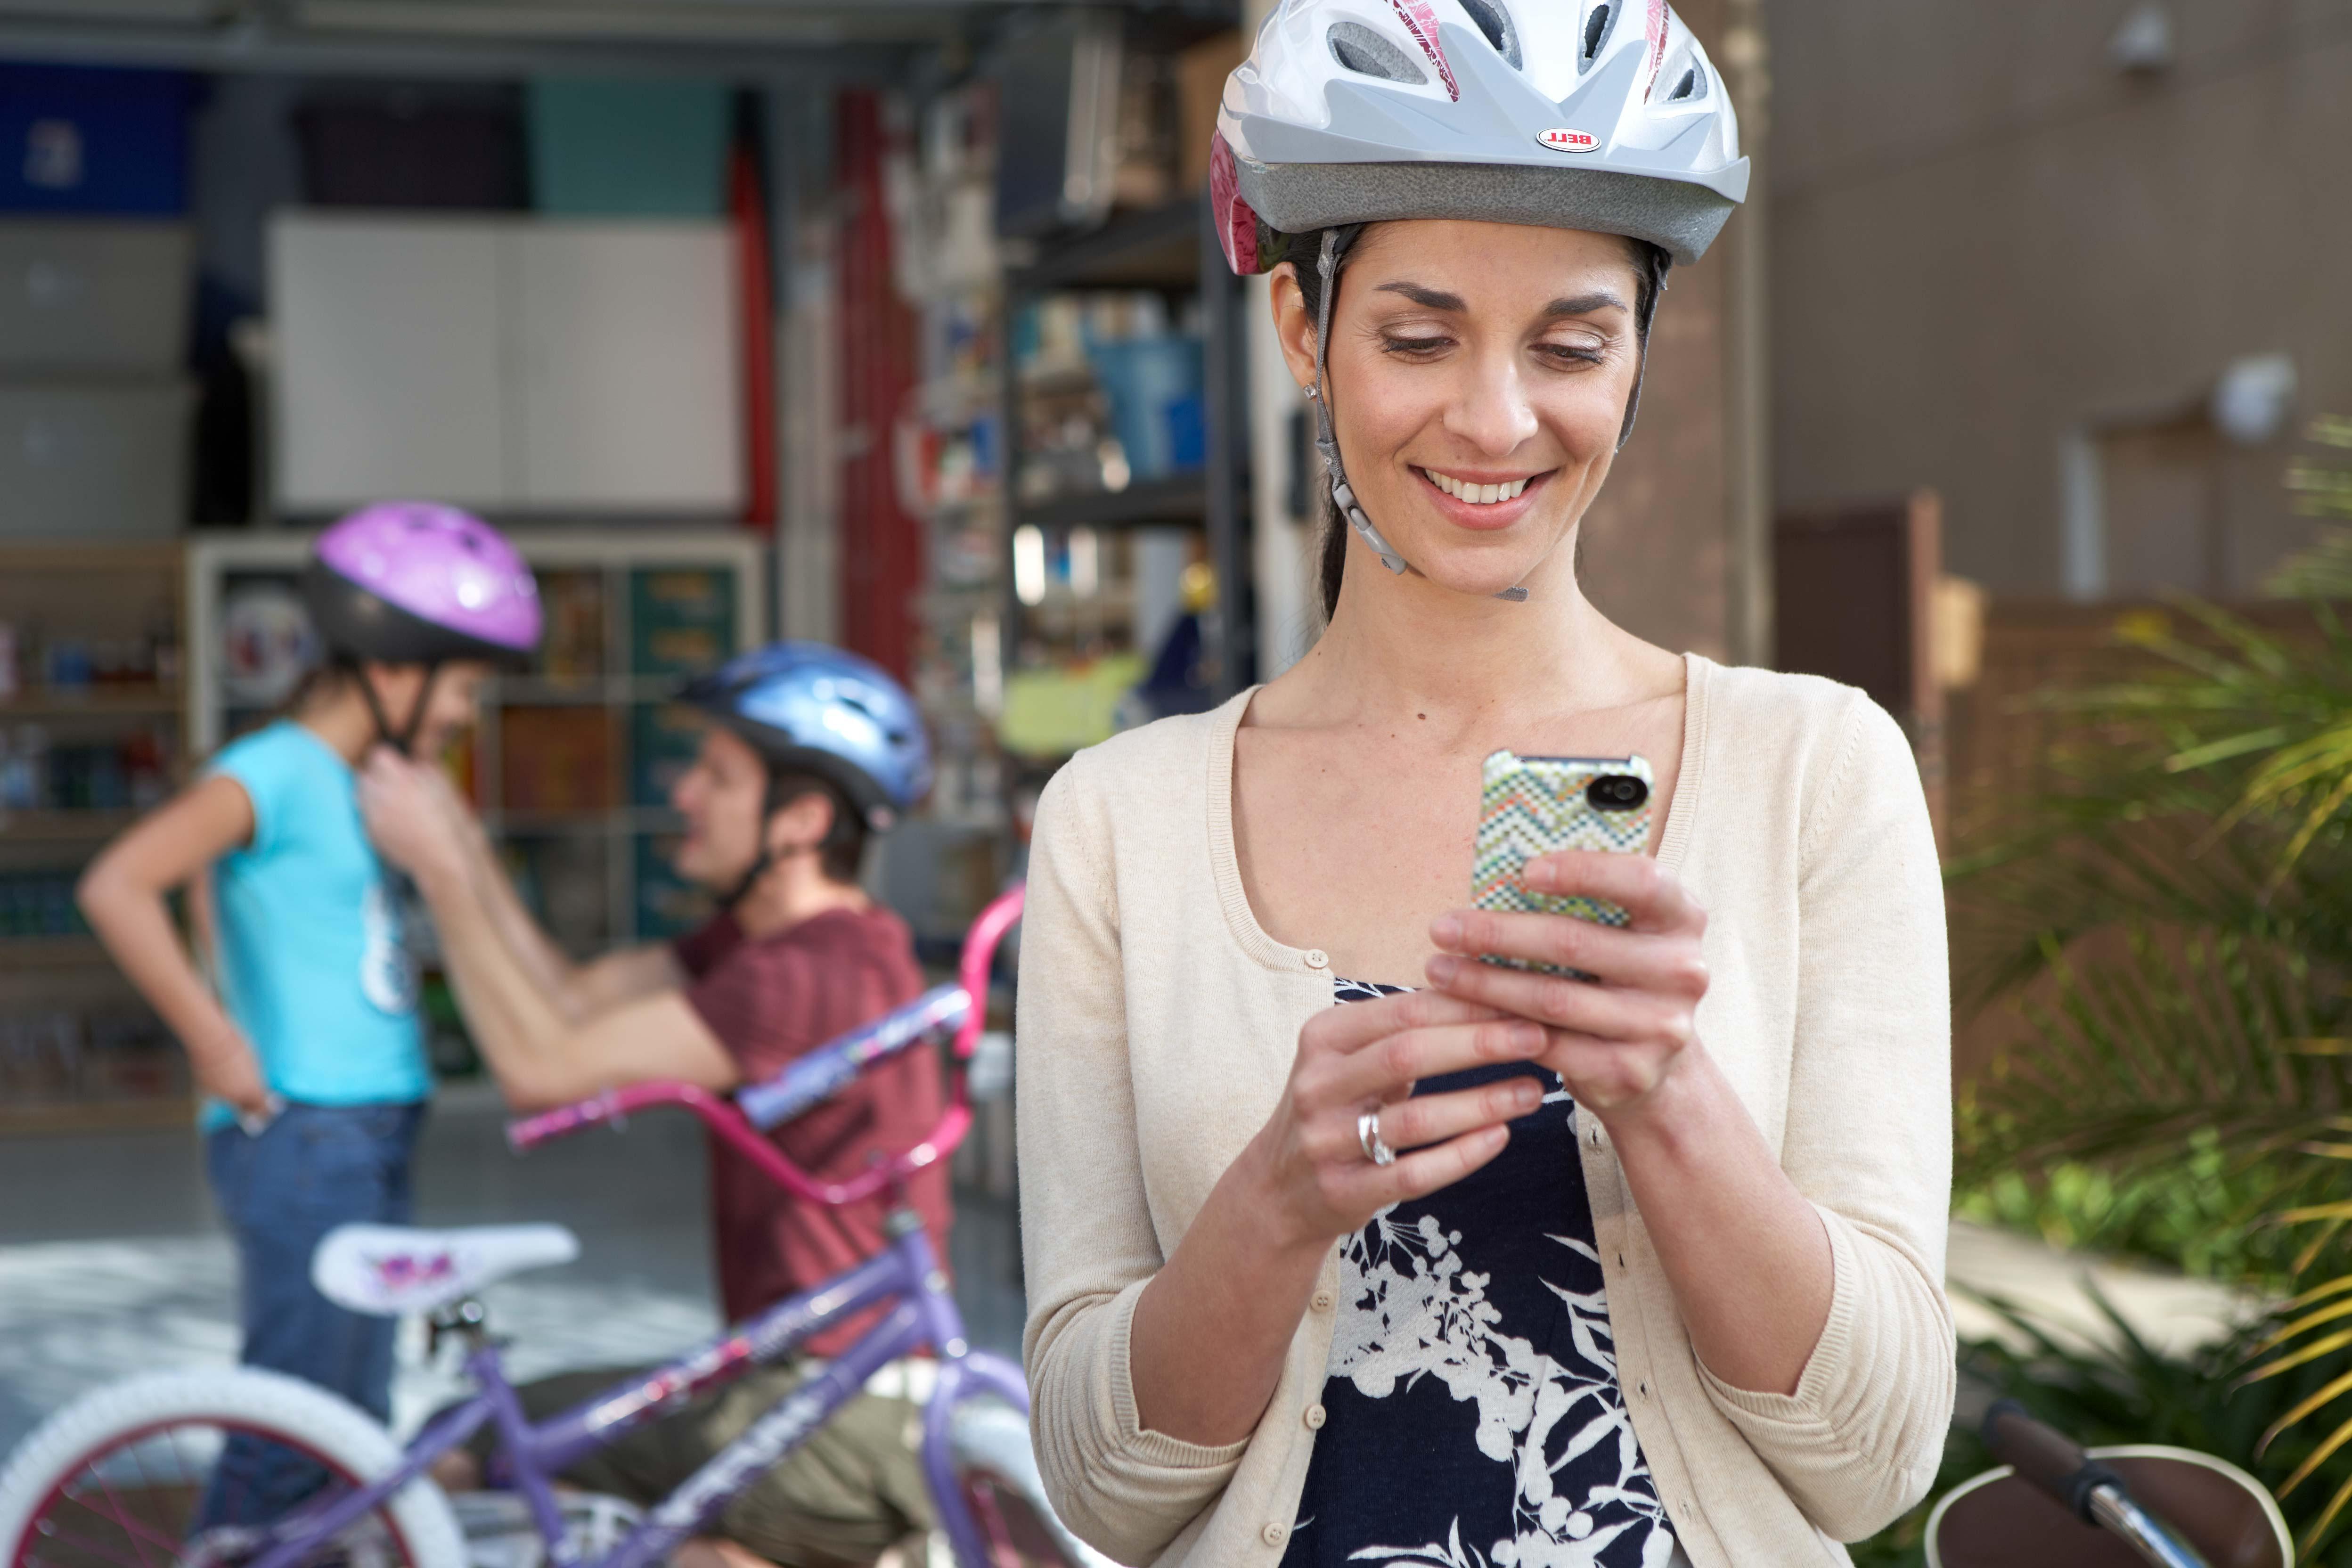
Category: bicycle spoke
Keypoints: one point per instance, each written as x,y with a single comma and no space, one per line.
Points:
122,1519
53,1532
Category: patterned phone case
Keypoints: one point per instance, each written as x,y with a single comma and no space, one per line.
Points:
1533,806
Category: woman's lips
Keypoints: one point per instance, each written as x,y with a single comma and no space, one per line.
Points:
1482,516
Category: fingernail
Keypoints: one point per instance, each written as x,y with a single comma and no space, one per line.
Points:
1527,1036
1539,874
1441,969
1445,930
1526,1096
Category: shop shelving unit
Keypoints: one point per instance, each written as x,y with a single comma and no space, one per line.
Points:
570,764
78,1049
1172,249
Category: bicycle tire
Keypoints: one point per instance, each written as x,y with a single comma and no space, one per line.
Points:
241,1399
989,1443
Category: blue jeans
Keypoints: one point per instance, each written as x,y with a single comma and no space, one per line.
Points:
313,1168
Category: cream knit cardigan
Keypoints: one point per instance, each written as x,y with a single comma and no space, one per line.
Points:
1156,1027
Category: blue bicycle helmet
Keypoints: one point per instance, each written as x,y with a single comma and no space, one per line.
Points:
812,708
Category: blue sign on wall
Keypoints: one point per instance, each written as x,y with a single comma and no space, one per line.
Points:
83,138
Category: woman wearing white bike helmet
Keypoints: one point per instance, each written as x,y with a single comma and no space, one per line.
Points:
1487,1266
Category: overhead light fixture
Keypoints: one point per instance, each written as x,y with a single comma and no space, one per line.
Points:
2144,44
2254,398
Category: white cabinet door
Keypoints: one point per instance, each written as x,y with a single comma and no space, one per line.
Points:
631,384
390,377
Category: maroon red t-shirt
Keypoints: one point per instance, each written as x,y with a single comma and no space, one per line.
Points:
773,1000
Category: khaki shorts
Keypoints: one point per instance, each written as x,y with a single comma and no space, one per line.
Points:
853,1490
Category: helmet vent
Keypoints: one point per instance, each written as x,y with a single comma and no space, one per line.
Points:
1597,25
1687,89
1496,23
1366,53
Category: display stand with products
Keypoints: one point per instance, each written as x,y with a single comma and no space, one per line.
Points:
1129,474
572,763
91,702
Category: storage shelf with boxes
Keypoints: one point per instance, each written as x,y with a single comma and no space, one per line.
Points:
89,735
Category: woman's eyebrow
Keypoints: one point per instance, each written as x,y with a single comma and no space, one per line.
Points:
1427,297
1430,298
1583,304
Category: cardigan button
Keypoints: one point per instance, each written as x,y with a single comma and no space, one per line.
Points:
1273,1532
1314,1418
1317,958
1320,1300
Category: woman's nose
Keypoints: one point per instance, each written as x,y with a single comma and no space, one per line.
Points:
1491,411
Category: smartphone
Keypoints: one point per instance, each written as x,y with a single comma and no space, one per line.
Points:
1532,805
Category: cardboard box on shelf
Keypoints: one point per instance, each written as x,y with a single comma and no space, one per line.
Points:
663,740
682,620
574,649
556,761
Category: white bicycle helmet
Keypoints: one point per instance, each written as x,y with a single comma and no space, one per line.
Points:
1603,115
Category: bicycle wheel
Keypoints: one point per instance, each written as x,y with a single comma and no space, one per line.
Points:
131,1477
998,1473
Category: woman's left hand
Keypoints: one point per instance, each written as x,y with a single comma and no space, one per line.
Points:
1618,1038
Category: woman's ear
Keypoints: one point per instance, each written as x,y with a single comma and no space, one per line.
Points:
1294,324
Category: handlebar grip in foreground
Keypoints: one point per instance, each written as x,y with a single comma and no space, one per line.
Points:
2047,1457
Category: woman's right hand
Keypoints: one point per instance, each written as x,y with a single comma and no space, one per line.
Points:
1366,1057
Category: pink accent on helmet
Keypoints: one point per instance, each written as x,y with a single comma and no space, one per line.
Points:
442,565
1656,29
1237,222
1420,21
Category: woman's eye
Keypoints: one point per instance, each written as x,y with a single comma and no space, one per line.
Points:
1576,353
1394,344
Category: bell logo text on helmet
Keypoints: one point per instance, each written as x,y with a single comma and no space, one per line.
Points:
1564,140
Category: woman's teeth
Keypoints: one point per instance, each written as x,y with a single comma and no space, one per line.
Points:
1477,495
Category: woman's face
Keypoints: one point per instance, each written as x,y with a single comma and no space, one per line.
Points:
1478,375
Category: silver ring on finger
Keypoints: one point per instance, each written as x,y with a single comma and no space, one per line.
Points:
1368,1137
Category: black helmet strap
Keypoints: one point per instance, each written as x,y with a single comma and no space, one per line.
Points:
402,740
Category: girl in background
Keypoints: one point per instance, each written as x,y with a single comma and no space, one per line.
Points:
310,1058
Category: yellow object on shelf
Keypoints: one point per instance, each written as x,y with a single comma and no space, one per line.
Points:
1051,712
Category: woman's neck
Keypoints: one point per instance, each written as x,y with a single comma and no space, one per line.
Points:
1404,643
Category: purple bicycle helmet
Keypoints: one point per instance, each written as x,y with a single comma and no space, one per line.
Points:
414,583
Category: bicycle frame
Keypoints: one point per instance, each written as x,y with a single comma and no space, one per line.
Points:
531,1457
905,1276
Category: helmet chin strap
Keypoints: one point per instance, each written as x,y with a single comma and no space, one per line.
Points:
403,740
1335,241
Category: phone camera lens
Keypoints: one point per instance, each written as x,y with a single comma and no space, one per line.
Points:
1616,792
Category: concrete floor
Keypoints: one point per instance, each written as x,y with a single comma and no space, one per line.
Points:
112,1262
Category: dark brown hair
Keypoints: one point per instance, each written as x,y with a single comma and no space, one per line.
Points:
841,853
1650,264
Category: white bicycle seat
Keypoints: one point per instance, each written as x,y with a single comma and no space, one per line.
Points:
384,1270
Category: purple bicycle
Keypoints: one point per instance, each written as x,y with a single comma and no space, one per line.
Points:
127,1476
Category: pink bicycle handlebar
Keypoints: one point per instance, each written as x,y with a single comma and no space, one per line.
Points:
729,1125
